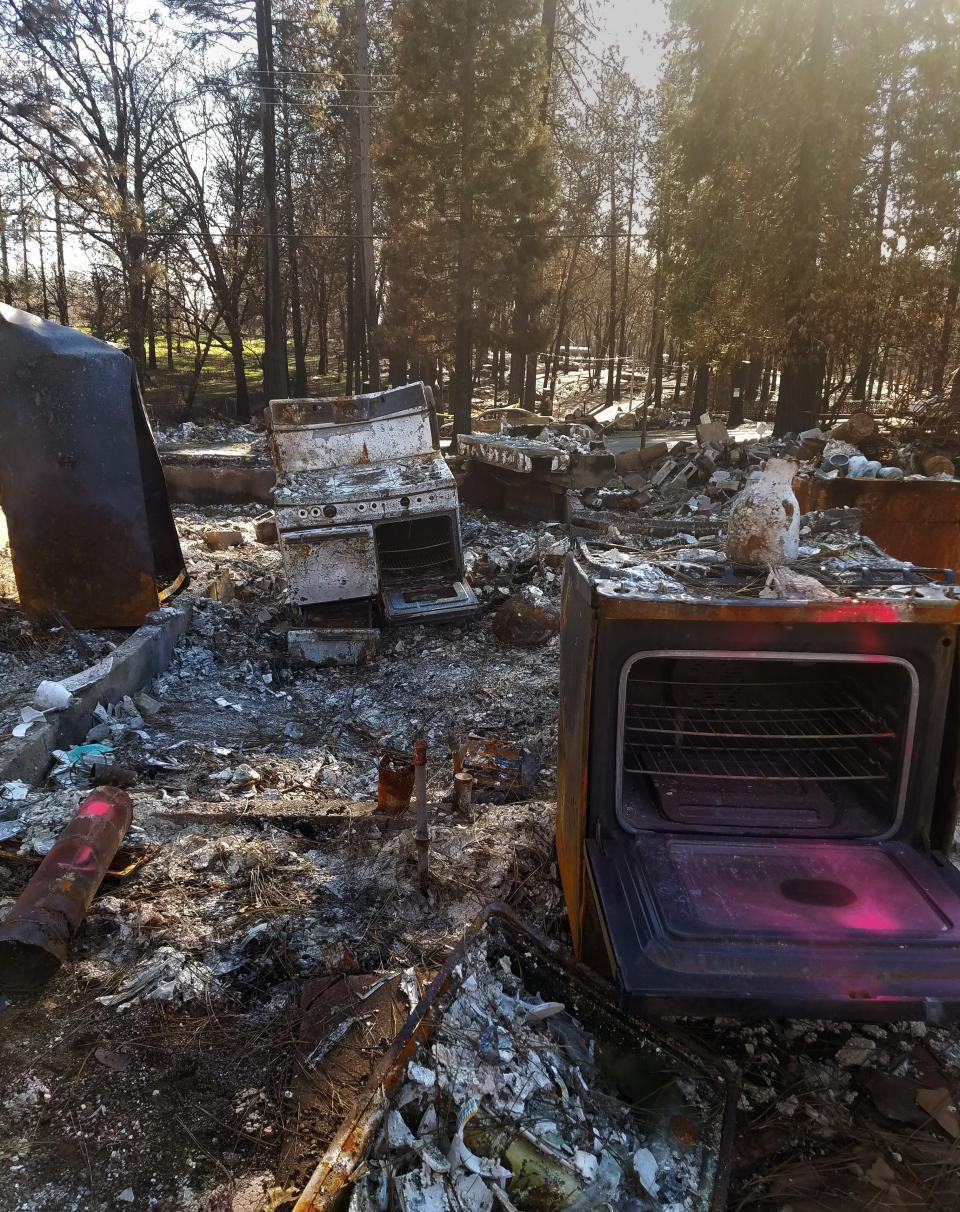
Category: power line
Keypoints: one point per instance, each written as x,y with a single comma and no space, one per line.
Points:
258,232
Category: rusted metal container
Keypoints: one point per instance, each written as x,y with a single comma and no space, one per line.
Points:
394,783
916,520
35,934
552,973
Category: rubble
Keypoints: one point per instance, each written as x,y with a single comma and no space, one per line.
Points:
512,1103
253,884
527,620
500,771
256,775
220,540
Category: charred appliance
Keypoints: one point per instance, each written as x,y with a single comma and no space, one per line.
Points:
367,508
91,532
758,797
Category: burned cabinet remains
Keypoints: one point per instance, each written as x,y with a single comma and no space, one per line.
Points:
91,533
367,509
757,798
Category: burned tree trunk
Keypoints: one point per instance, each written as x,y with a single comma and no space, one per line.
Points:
801,385
946,331
611,347
463,336
701,387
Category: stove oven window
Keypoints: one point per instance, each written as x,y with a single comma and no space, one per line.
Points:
809,744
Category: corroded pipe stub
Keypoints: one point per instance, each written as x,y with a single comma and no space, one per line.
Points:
35,934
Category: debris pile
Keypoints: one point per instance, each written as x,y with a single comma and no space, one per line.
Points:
698,479
213,439
508,1106
834,1116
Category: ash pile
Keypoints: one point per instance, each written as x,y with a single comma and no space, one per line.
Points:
512,1103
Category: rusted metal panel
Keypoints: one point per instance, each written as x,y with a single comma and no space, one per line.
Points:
91,532
330,564
785,612
314,435
35,934
917,520
334,645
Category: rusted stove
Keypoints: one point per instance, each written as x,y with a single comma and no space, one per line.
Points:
758,797
367,509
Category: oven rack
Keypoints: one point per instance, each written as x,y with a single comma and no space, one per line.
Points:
752,723
416,556
751,711
814,762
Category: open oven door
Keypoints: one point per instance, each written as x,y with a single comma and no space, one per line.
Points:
767,854
778,926
429,602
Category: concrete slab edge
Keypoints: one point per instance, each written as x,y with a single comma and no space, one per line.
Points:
126,670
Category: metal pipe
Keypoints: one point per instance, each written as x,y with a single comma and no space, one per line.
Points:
463,792
36,931
422,832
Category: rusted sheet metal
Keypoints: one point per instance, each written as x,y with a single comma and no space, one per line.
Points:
498,765
578,641
330,564
500,452
916,520
316,435
591,999
91,532
35,934
933,610
334,645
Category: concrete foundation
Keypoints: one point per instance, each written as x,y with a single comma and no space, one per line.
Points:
125,671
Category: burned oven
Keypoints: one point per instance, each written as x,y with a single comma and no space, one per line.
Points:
758,798
367,508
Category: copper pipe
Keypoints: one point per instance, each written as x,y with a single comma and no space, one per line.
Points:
422,832
35,933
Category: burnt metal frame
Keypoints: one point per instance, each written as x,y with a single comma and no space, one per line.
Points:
804,657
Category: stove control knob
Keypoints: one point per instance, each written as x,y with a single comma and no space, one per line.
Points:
329,511
404,501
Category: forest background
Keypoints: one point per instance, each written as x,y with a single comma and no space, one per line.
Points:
273,197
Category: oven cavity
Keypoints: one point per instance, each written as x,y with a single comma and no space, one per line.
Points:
416,547
770,744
